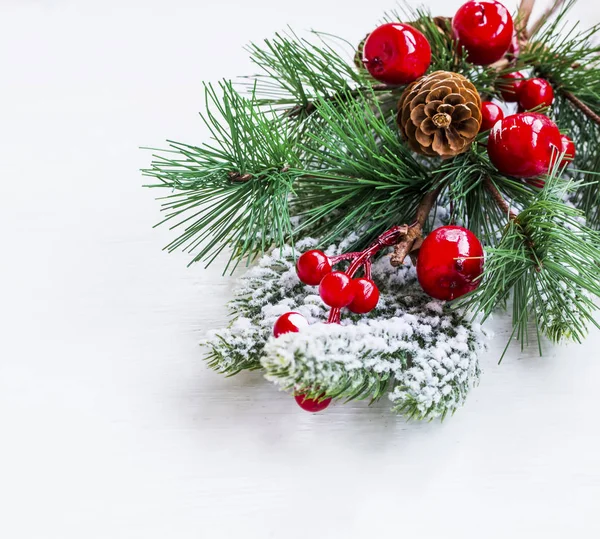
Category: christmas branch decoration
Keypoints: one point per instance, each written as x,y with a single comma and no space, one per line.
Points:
389,195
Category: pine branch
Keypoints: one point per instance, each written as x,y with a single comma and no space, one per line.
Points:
582,107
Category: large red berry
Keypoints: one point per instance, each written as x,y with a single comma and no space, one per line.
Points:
289,323
312,266
396,53
450,262
336,289
568,148
312,405
535,93
510,86
523,145
485,29
490,114
366,296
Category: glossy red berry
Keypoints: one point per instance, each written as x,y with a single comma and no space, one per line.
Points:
510,86
312,266
535,93
523,145
336,289
490,114
568,148
366,296
396,53
450,262
485,29
290,322
312,405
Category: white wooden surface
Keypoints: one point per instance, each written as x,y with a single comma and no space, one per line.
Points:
112,427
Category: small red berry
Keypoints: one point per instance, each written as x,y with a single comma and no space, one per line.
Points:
485,29
396,53
366,296
568,148
535,93
336,289
312,405
490,114
523,145
510,86
312,266
289,323
450,262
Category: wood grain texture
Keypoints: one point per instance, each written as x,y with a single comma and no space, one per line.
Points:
111,425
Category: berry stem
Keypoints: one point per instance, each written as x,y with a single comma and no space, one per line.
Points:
414,231
345,256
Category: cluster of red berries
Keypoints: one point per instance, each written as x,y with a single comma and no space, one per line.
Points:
449,265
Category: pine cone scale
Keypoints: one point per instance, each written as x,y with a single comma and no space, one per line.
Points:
440,114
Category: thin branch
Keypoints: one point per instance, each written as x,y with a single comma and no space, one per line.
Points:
310,107
582,107
523,16
500,201
535,27
414,231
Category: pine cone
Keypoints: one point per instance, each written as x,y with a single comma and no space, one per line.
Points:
440,114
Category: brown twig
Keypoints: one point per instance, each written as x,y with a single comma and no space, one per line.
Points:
310,107
414,231
535,27
582,107
500,201
523,16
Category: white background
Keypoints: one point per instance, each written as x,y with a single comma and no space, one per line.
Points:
111,426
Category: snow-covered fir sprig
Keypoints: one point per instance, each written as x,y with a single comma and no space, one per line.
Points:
421,352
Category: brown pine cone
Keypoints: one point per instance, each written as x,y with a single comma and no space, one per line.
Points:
440,114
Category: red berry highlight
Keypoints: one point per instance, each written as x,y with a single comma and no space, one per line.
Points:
396,53
312,266
290,322
450,262
336,289
523,145
485,29
535,93
366,296
490,114
568,148
312,405
510,86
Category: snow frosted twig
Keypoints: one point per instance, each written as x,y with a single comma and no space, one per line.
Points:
418,351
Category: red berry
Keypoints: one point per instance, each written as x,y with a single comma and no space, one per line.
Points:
396,53
490,114
312,266
510,86
449,263
336,289
312,405
522,145
485,29
366,296
289,323
515,46
568,148
535,93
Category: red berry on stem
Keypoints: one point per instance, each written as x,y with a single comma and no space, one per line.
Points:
312,405
312,266
568,148
510,86
490,114
523,145
396,53
535,93
336,289
366,296
449,263
485,29
289,323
